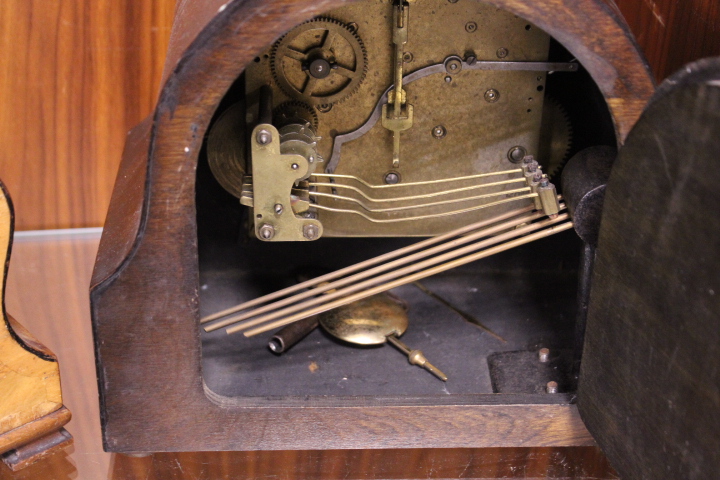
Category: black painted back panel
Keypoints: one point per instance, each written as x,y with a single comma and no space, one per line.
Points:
650,380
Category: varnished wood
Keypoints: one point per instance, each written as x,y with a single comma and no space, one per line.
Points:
59,267
35,429
30,453
673,33
31,402
47,288
75,76
577,463
78,74
152,287
30,382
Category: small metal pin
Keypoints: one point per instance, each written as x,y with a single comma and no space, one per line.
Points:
544,355
392,178
492,96
517,154
278,208
266,231
552,387
294,166
416,357
310,232
264,137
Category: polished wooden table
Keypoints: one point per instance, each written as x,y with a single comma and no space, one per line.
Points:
47,292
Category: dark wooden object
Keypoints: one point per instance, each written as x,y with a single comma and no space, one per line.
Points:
672,33
145,285
54,299
650,383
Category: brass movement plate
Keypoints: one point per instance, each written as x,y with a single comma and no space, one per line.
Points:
479,133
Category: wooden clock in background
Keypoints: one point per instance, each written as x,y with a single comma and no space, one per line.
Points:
32,414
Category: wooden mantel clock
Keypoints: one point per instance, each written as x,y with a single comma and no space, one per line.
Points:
305,158
32,414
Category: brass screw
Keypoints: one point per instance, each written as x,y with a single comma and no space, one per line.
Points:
470,27
492,96
310,232
516,154
267,231
453,65
392,178
264,137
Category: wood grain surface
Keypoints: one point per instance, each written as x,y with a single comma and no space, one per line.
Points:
160,275
58,269
75,76
672,33
29,373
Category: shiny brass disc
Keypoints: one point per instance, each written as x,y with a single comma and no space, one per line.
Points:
366,322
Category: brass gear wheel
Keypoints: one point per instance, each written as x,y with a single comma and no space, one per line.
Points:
295,111
555,138
319,62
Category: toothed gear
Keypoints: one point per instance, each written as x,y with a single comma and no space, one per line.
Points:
555,138
295,111
320,62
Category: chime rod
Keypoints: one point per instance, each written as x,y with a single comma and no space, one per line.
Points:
414,197
326,287
355,287
392,274
405,280
415,184
423,217
367,263
421,205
